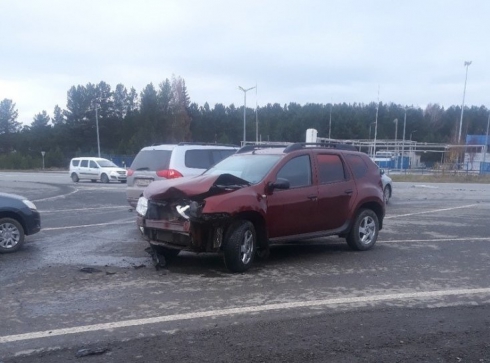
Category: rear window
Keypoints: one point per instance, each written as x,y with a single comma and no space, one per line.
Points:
204,159
358,165
152,160
330,168
84,164
75,162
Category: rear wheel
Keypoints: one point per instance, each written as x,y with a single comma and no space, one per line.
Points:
74,177
104,178
240,246
11,235
364,232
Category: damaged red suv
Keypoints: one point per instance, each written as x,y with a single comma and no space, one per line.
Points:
263,195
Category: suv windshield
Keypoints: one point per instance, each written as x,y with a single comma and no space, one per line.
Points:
152,160
251,168
106,164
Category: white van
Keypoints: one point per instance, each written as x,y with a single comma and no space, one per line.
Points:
170,161
95,169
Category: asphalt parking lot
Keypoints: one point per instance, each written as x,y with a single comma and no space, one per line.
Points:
422,294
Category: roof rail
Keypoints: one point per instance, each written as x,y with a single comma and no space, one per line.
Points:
206,143
328,145
248,148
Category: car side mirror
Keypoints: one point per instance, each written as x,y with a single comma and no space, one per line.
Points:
381,171
278,184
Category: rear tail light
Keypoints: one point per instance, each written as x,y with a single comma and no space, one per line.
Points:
169,174
130,172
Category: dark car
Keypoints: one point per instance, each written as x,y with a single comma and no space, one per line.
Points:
264,195
18,217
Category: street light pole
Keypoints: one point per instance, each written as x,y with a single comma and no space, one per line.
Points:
330,123
486,140
396,137
97,125
376,126
245,110
466,64
404,126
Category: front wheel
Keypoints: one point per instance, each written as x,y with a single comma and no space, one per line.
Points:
364,232
11,235
104,178
240,245
386,194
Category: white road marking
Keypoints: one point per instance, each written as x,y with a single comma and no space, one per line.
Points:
465,239
126,221
241,310
82,209
56,196
432,211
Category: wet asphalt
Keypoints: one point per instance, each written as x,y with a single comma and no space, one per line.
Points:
85,285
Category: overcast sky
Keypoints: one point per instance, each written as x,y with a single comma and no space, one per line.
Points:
295,51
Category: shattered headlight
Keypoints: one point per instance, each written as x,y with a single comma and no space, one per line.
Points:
183,210
142,206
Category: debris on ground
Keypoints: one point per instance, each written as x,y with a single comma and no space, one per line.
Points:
89,270
86,352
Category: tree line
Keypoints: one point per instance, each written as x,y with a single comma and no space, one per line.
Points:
128,120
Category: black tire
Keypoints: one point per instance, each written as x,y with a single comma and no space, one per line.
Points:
12,235
387,194
364,231
74,177
240,246
104,178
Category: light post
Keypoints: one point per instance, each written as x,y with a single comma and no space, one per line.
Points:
396,137
97,126
43,153
404,126
330,123
486,141
245,110
370,147
466,64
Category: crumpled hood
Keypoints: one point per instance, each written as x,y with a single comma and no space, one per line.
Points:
199,187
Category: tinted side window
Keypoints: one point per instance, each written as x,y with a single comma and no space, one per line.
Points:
218,155
75,162
84,164
152,160
93,164
330,168
297,171
358,166
198,159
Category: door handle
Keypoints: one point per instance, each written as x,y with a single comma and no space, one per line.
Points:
348,191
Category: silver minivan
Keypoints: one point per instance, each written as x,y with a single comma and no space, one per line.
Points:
170,161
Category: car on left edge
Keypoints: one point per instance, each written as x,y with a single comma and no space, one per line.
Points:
19,217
